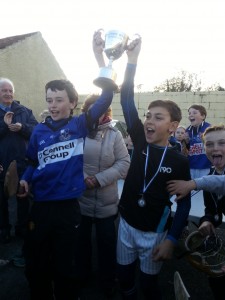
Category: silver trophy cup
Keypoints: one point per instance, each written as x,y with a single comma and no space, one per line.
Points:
115,45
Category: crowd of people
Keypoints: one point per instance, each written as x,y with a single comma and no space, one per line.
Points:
67,169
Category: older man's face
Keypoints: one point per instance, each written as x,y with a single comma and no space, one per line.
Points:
6,93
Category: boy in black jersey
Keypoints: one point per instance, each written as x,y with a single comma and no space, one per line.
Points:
145,230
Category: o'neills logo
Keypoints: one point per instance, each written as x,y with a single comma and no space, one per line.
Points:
59,152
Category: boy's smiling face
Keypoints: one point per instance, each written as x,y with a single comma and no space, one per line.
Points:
214,142
158,126
59,104
195,117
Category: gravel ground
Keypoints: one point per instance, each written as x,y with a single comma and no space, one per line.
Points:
13,284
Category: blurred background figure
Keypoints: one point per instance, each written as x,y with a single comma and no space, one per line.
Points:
199,163
180,136
16,125
129,145
3,262
45,113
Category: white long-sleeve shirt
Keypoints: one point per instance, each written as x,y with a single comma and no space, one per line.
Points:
211,183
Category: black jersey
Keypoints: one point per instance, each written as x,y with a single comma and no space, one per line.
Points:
155,215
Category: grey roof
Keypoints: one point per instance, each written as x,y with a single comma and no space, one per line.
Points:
8,41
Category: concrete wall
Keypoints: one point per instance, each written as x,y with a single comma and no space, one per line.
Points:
30,64
214,102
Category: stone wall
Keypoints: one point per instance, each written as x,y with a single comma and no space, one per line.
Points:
214,102
30,64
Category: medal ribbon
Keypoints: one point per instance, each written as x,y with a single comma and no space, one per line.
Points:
156,173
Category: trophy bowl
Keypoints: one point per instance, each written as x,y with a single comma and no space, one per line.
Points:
115,45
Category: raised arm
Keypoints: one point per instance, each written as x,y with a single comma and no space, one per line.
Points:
105,99
127,89
98,46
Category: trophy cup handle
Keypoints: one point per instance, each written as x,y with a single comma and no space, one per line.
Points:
131,45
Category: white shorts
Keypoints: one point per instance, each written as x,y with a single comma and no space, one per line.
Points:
133,244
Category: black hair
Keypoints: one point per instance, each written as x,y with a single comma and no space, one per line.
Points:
173,109
61,85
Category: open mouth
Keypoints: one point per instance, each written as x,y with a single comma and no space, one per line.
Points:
54,112
149,132
217,159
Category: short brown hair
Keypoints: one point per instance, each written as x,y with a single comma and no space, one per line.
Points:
91,99
173,109
213,128
61,85
200,108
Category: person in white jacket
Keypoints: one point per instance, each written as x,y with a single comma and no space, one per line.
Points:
208,183
106,160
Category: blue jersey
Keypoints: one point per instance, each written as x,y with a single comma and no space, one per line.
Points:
56,155
196,154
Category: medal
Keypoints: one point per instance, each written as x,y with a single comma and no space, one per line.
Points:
216,218
141,201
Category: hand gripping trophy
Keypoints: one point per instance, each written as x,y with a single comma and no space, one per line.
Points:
114,44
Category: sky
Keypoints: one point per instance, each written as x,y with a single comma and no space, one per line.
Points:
176,35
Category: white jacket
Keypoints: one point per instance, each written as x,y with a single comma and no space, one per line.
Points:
106,157
211,183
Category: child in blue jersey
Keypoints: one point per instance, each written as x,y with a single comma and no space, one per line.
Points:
145,230
199,163
55,154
